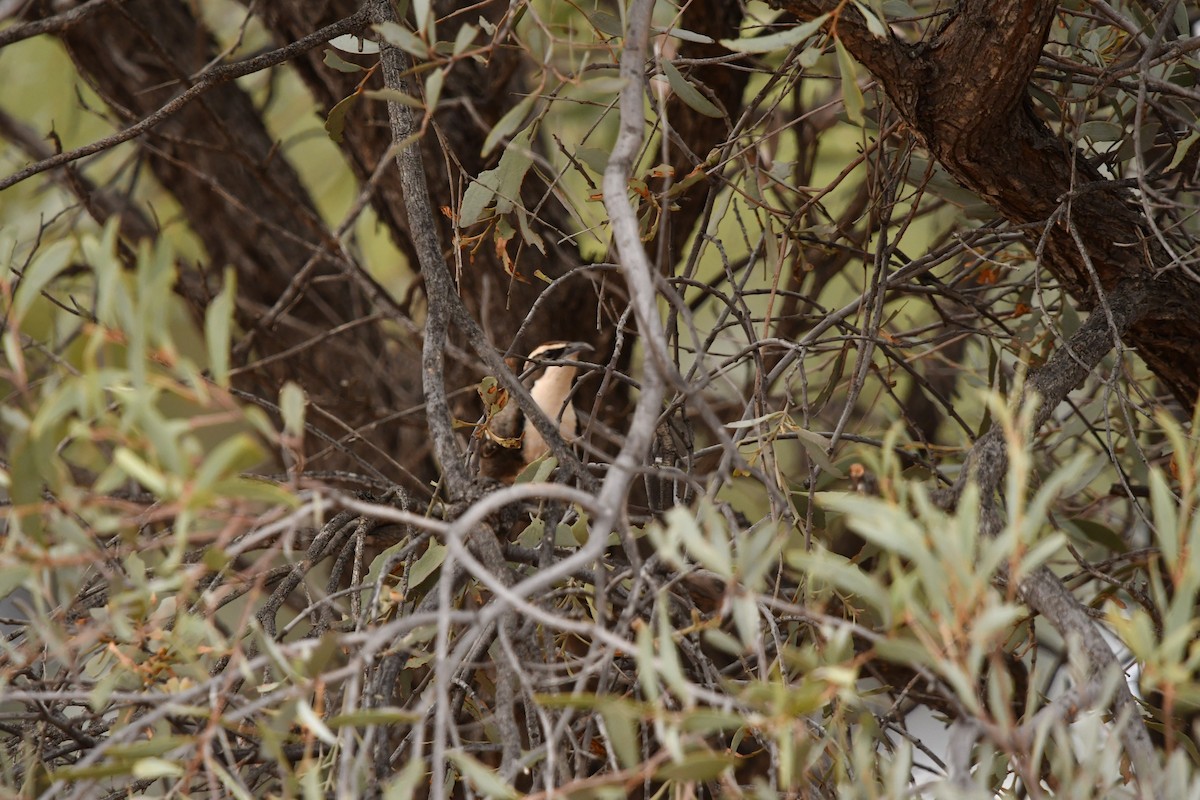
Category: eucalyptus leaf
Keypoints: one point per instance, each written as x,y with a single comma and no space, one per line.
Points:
335,121
852,96
785,39
332,59
46,266
688,93
218,328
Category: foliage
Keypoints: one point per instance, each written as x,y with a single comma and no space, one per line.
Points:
239,557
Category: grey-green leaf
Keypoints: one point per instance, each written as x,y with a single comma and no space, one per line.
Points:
785,39
688,93
332,59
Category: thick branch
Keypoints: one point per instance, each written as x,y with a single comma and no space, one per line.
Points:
439,286
964,92
250,209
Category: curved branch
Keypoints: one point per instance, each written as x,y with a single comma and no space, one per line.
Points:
635,266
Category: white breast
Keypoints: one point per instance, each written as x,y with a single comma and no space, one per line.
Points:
551,393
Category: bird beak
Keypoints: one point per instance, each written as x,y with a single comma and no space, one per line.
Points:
572,348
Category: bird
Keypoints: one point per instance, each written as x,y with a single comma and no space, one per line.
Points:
510,442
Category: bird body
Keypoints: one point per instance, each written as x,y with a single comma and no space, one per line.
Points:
511,442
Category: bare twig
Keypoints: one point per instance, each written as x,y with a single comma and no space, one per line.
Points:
636,267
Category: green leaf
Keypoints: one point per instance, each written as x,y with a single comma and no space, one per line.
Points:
335,122
1181,150
140,471
594,157
1097,533
745,618
898,8
670,666
235,454
531,237
476,198
462,40
433,88
704,765
421,14
403,785
1099,130
292,404
1037,555
817,447
218,322
147,748
308,718
684,34
375,716
712,551
509,124
606,23
332,59
394,96
688,93
12,575
621,720
711,720
776,41
852,96
874,24
349,43
14,353
50,261
484,780
646,673
837,571
986,627
538,471
403,38
258,489
1163,506
150,768
429,561
503,183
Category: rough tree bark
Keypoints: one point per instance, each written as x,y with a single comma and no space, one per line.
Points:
964,92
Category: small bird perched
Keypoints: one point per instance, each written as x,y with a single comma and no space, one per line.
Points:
511,443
